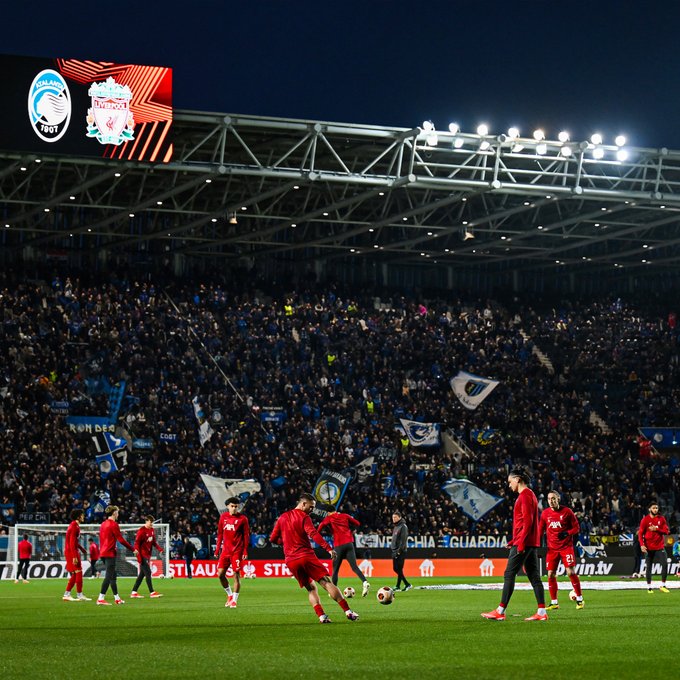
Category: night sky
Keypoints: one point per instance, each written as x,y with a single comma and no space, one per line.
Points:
582,66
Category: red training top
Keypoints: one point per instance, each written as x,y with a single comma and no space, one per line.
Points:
554,522
294,529
233,535
25,549
109,534
340,525
652,532
71,547
145,540
94,552
525,521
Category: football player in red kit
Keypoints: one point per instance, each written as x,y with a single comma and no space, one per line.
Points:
109,536
294,529
233,538
145,541
72,550
652,534
560,526
523,547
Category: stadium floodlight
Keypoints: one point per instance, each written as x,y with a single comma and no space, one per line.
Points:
565,151
563,136
598,153
458,142
539,135
428,125
513,133
516,148
541,149
232,218
596,138
432,139
484,145
621,155
454,128
483,129
468,234
620,140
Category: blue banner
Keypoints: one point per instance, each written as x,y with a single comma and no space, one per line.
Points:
273,414
60,408
89,424
142,443
484,437
168,437
329,491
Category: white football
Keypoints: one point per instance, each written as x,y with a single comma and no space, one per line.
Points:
385,595
349,592
161,576
572,595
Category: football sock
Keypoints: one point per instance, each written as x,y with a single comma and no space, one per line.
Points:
552,587
554,601
576,584
235,597
101,596
71,583
500,609
79,582
541,611
318,610
228,591
344,605
67,593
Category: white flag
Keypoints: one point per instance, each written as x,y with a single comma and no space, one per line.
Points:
204,429
421,434
222,489
471,389
472,500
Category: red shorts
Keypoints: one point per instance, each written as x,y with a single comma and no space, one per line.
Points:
306,570
72,568
231,559
553,558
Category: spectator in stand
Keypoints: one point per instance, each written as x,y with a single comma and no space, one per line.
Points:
25,550
652,533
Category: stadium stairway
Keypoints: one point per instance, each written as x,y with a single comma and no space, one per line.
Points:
541,356
597,421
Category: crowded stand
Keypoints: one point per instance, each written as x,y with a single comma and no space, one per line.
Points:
338,368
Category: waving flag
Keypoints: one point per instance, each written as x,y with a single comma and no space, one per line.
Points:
222,489
204,429
471,389
329,490
111,453
421,434
472,500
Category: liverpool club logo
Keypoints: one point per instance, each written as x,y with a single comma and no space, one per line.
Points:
110,120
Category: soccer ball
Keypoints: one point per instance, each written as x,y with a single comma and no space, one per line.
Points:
572,595
385,595
161,576
349,592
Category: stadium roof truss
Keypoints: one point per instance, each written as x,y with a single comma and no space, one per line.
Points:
304,191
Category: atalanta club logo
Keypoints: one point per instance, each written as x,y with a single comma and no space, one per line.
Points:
110,120
49,105
327,492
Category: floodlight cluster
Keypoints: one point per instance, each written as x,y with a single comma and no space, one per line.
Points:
483,139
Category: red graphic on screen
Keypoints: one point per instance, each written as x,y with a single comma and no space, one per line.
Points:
151,105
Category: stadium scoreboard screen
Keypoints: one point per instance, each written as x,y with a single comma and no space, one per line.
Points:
86,108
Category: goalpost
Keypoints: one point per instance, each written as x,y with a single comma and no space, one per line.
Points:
48,542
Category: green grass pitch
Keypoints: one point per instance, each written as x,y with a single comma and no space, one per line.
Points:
275,634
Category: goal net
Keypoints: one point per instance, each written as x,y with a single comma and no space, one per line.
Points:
48,542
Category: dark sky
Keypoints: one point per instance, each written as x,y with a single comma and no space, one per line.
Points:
603,65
